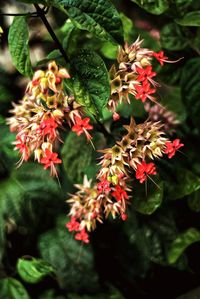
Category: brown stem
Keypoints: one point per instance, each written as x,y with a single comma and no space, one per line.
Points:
41,14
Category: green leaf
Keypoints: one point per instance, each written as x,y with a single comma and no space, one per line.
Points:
99,17
91,86
73,262
184,184
181,243
183,6
127,27
190,19
109,50
24,197
18,38
152,237
156,7
172,100
150,202
172,38
33,271
53,55
190,89
12,289
78,158
194,201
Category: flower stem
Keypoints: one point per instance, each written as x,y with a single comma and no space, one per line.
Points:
41,14
102,129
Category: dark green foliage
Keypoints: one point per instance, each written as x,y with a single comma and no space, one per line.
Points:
73,262
190,88
12,289
158,245
194,201
184,184
147,199
152,236
172,37
26,195
76,165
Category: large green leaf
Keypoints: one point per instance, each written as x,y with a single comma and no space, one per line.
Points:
91,84
18,38
78,158
185,183
73,262
148,201
99,17
150,238
33,271
156,7
181,243
159,231
11,288
24,197
190,19
172,38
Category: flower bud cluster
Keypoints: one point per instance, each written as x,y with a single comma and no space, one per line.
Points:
129,158
44,109
158,113
134,75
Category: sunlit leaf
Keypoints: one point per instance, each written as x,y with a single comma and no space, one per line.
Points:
181,243
33,270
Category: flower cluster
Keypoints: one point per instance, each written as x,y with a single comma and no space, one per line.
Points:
134,75
129,158
44,109
158,113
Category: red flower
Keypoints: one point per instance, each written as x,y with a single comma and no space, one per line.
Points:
119,193
172,147
48,126
50,159
124,217
143,170
160,57
82,236
23,149
116,116
145,74
81,126
103,186
73,225
143,91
